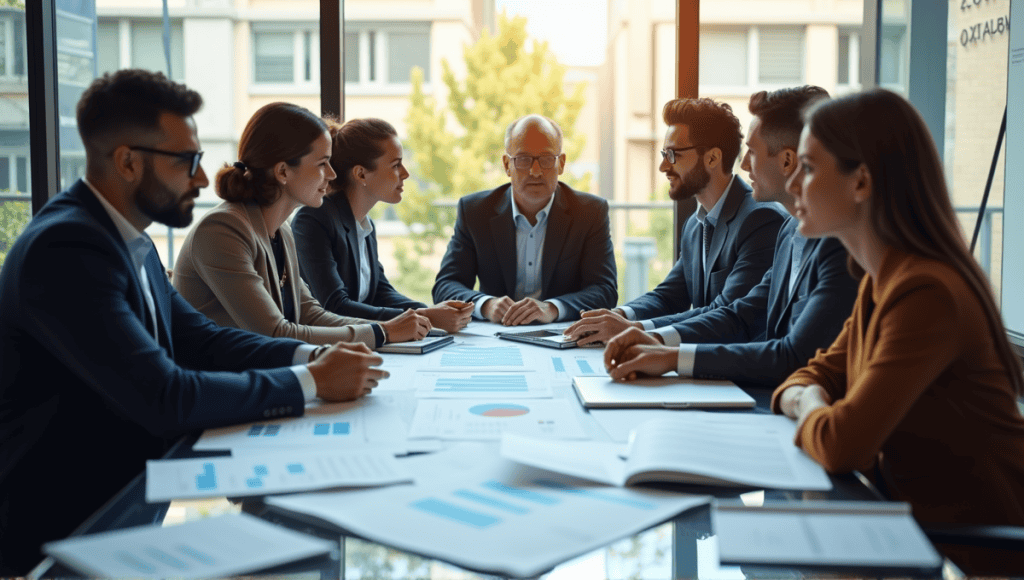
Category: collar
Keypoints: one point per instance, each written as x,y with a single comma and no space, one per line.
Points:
139,244
365,227
716,211
542,215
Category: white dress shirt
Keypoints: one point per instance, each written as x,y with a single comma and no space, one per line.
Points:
364,229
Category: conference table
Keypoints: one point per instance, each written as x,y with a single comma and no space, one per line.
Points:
683,547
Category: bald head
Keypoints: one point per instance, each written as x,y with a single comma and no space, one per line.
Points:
533,124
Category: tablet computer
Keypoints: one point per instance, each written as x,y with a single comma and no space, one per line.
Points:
548,338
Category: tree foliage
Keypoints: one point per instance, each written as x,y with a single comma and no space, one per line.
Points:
14,216
456,149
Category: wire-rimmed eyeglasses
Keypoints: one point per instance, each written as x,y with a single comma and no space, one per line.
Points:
526,161
670,152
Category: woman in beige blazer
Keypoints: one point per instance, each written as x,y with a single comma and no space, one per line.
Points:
238,264
920,389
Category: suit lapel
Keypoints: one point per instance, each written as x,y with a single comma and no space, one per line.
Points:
504,236
259,228
371,257
558,226
778,295
348,222
162,300
733,199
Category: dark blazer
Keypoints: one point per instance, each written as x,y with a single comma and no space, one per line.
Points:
761,338
579,262
328,248
741,252
86,393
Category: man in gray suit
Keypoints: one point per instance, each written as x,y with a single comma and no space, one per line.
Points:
800,304
540,250
725,247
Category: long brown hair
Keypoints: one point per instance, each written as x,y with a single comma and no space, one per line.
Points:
911,210
276,132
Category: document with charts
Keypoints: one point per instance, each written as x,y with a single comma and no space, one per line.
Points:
209,548
727,449
521,385
499,518
267,473
489,418
469,358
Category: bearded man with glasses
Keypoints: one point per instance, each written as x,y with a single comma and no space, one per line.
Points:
540,250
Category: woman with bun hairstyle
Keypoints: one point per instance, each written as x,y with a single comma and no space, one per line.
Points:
337,241
238,264
920,389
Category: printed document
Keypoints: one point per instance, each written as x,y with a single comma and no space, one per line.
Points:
487,419
482,385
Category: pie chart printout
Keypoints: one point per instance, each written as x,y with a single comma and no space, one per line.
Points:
499,410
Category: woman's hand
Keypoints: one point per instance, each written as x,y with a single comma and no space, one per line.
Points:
406,326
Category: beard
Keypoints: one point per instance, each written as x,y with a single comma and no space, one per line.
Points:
690,184
162,205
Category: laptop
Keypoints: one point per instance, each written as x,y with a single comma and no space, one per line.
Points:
547,338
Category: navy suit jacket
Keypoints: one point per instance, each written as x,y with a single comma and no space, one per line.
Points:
86,393
578,260
741,252
327,244
762,338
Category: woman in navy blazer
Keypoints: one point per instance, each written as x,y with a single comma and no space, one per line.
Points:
337,242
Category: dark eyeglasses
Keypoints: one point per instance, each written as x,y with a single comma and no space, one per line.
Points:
192,157
526,162
670,153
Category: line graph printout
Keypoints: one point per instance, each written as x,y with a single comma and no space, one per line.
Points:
502,518
487,419
468,358
262,474
478,385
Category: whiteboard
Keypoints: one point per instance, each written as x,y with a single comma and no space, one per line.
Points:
1013,196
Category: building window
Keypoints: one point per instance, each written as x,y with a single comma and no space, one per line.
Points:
384,54
742,59
283,56
848,59
13,173
12,43
139,43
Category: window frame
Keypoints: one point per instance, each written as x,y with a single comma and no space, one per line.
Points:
753,50
379,34
298,85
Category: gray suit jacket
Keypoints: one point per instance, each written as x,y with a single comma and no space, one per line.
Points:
226,270
741,252
579,262
762,338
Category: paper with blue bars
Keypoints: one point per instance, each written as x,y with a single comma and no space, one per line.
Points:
266,473
483,385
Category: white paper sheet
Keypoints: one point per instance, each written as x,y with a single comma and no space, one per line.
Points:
494,357
499,518
570,363
665,392
264,474
482,419
823,533
528,385
370,421
618,423
214,547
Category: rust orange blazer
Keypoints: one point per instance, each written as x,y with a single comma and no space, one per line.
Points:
920,395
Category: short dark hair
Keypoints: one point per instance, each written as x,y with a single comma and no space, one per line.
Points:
276,132
130,100
781,114
357,142
711,123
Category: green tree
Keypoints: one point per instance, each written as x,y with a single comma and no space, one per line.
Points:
14,216
456,149
19,4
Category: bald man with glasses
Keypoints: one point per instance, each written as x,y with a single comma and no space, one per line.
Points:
540,250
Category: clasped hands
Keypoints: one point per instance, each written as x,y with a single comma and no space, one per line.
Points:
508,312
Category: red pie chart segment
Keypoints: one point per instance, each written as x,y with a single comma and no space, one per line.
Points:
499,410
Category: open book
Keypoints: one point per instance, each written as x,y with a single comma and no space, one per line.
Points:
727,449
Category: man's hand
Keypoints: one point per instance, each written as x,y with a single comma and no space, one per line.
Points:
494,309
634,352
406,326
529,310
346,372
450,316
597,326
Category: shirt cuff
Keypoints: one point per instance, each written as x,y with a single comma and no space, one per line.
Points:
627,312
478,311
647,324
301,356
687,356
560,307
306,381
378,335
669,335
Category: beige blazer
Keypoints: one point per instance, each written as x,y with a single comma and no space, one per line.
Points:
226,270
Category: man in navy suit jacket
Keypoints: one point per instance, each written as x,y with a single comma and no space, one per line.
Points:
102,363
800,304
540,250
725,247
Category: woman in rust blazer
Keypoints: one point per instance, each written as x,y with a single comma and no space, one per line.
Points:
920,389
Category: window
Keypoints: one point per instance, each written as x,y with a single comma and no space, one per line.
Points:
286,56
780,56
848,59
384,54
741,59
139,43
723,57
12,43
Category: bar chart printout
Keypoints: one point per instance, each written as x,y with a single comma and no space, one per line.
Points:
473,385
482,419
585,364
208,548
465,358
